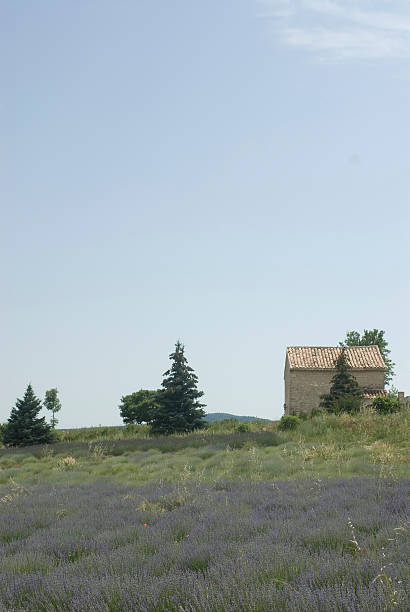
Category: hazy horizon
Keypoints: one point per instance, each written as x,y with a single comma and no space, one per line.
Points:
234,174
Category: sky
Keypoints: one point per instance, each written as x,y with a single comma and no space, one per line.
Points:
231,173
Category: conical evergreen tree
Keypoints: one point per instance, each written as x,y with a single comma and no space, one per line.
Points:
178,407
24,427
344,387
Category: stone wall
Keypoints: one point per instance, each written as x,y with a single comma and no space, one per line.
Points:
303,388
287,386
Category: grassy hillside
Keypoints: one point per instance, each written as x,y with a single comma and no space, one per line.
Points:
325,446
237,517
225,416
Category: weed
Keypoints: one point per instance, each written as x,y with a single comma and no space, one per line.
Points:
255,464
356,546
15,491
66,463
99,450
322,451
60,514
47,452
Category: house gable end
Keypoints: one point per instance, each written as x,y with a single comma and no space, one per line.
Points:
309,372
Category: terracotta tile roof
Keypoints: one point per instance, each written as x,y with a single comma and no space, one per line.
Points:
324,357
370,394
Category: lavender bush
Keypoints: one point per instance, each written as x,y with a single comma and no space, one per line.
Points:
304,545
166,444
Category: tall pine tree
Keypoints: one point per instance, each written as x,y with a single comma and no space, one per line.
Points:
24,427
345,394
178,407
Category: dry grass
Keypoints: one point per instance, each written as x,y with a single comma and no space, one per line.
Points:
383,452
66,463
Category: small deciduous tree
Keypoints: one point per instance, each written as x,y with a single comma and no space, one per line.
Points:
372,337
178,407
139,407
345,394
24,427
52,403
386,405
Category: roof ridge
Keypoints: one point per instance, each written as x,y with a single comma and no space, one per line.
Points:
332,346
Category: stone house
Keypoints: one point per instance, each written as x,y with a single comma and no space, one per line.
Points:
310,369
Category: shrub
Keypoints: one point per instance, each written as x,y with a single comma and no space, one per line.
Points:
386,405
303,415
316,412
243,427
288,422
347,403
76,547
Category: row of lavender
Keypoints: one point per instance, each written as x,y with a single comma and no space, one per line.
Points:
298,545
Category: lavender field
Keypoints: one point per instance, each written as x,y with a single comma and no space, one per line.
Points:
308,545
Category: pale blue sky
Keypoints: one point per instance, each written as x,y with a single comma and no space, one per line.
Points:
232,173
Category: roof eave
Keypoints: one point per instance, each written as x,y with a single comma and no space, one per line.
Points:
309,369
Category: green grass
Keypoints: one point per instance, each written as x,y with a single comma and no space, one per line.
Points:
97,434
326,446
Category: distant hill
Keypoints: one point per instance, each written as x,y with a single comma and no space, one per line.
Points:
221,416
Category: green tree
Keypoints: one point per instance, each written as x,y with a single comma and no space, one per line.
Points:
386,405
138,407
178,407
345,394
24,427
52,403
371,337
288,421
3,427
